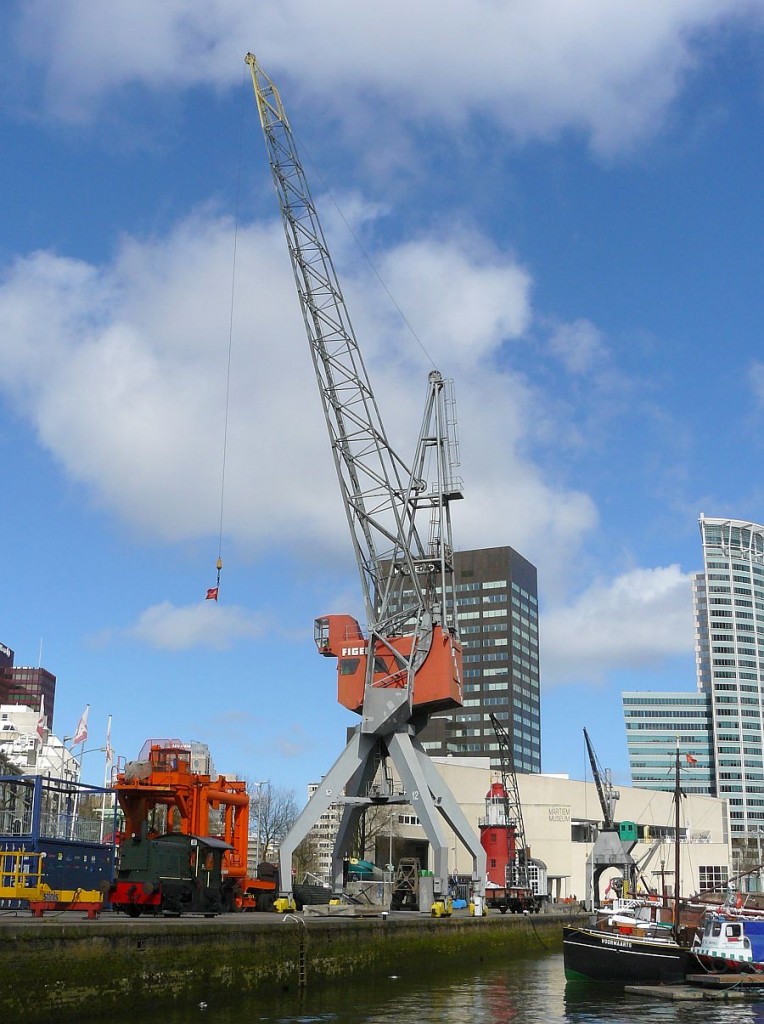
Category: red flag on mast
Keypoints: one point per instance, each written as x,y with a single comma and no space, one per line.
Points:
81,732
109,748
41,719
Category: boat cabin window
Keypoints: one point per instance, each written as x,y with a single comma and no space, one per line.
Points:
733,931
717,928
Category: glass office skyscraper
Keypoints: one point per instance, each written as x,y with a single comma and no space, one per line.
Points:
722,725
655,724
729,646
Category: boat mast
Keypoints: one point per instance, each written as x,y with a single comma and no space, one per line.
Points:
677,796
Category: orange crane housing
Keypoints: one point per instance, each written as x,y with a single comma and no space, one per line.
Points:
159,793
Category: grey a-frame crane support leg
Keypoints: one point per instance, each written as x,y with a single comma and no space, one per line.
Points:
349,764
358,786
424,790
434,796
416,787
454,815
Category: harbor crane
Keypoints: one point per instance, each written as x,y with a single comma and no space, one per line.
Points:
613,845
606,793
408,662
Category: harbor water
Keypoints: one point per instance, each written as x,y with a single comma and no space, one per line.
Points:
522,990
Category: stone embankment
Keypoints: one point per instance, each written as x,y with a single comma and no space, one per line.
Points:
65,967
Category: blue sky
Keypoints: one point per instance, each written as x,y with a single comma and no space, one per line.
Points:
565,201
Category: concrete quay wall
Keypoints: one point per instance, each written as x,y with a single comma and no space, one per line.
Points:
62,969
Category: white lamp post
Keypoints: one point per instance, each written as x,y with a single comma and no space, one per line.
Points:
259,806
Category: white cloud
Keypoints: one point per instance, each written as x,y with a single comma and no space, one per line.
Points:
638,619
579,346
470,297
207,624
609,68
756,377
124,380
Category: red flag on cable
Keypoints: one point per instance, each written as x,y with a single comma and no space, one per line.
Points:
691,759
212,593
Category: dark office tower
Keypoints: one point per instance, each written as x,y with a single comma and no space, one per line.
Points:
6,658
26,686
497,604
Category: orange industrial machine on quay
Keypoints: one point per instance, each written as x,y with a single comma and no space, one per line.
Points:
183,845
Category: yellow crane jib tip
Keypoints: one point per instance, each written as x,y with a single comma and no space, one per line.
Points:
269,103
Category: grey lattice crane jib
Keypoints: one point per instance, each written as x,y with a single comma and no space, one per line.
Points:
407,663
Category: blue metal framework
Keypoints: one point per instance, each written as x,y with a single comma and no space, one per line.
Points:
52,816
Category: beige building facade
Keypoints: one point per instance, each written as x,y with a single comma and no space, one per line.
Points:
561,818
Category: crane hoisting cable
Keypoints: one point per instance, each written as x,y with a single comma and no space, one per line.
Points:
214,592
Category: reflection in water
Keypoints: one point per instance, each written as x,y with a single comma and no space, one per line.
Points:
520,991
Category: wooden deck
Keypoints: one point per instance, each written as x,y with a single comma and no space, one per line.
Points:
703,986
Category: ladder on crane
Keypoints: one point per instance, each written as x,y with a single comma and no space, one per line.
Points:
408,662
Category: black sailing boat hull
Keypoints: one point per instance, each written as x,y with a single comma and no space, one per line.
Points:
593,955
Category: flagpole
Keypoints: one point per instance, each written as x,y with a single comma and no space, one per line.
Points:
80,736
108,759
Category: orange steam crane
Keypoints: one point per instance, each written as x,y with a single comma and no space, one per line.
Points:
407,662
159,793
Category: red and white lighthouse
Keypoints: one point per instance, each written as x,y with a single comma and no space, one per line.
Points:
497,835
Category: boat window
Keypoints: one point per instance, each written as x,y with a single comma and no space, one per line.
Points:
709,926
717,928
733,931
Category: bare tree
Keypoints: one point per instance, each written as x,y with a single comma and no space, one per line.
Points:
306,858
7,767
272,812
376,823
